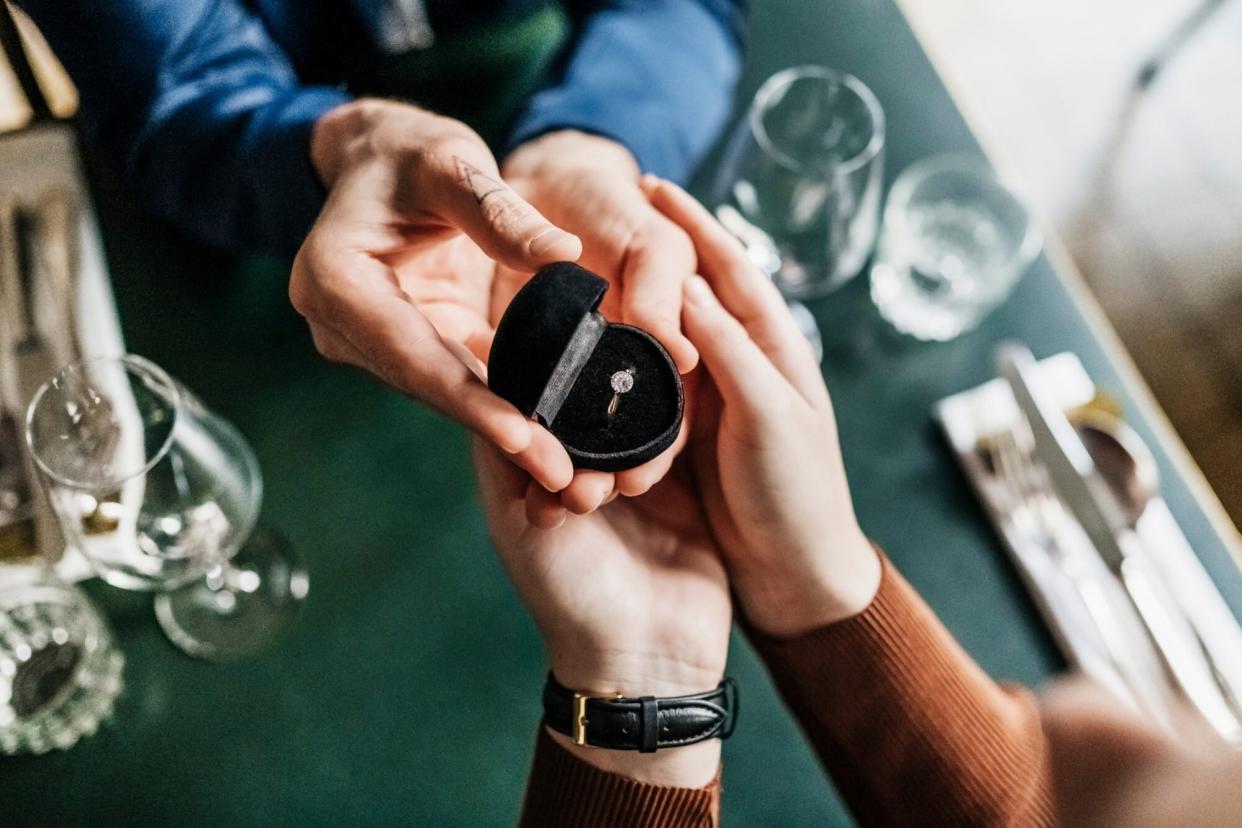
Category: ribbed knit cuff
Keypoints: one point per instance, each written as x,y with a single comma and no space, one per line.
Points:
906,723
565,791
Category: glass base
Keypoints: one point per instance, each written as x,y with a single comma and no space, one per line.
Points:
241,607
919,313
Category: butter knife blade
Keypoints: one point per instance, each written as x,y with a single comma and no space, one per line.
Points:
1060,449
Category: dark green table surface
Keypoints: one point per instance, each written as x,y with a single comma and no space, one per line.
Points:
408,691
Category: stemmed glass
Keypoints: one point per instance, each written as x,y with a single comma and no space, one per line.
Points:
800,181
161,494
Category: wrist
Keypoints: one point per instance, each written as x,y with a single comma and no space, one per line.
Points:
367,129
684,766
569,148
341,136
612,673
834,588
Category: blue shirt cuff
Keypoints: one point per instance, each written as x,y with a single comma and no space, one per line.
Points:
288,196
657,80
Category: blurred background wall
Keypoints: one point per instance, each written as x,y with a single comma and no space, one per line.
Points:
1144,185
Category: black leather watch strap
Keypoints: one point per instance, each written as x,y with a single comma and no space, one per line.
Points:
644,724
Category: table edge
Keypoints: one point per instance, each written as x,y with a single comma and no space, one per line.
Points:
1084,300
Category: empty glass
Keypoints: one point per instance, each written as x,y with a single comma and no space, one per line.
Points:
953,245
59,672
800,180
161,494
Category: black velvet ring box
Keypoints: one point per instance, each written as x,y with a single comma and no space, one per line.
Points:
557,359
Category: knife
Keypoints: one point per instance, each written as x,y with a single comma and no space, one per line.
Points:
59,257
1088,497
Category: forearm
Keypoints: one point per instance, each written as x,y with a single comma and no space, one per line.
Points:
906,724
657,77
199,110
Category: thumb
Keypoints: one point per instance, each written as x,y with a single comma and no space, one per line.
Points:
502,223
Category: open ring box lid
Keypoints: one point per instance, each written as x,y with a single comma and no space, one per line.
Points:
554,356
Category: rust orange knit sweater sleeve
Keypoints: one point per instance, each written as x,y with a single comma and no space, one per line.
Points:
909,728
566,792
911,731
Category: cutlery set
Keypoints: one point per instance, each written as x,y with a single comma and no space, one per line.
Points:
1074,493
56,306
35,265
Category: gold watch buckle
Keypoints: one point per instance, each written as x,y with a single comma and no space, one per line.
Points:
580,719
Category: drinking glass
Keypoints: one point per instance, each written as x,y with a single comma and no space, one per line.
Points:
955,241
59,671
161,494
800,179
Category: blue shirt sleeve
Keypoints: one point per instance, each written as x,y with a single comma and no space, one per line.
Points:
655,75
200,108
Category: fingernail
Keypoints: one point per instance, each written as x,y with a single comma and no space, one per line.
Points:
690,355
649,180
697,290
547,240
516,436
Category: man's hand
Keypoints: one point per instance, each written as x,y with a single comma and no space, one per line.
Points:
388,282
630,599
590,186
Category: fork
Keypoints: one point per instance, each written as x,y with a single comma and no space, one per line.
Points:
1037,513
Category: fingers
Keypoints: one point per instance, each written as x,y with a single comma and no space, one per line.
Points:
543,508
545,460
502,484
656,261
639,480
471,196
402,348
743,289
510,495
360,317
588,491
742,373
591,489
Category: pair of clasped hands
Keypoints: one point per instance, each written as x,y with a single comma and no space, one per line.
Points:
420,247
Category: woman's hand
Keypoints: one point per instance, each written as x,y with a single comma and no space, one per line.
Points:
396,277
764,445
630,599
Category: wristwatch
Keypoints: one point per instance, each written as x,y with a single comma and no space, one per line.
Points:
644,723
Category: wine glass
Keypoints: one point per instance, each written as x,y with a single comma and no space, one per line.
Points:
161,494
800,181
